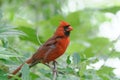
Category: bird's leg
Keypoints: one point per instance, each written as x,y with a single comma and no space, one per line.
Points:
54,70
52,67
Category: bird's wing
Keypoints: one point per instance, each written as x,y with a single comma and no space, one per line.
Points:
45,49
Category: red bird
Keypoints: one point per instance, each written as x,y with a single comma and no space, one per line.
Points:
52,48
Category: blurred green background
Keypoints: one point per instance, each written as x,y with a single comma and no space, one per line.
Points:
26,24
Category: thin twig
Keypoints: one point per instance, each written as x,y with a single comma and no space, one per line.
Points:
54,71
37,35
36,25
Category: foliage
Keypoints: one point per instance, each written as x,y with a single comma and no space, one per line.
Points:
26,24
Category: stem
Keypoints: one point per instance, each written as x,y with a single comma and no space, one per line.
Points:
54,71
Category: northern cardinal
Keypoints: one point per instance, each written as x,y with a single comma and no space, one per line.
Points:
52,48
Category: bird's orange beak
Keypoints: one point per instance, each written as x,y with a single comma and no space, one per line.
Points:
69,28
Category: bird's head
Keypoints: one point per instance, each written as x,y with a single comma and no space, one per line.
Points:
63,29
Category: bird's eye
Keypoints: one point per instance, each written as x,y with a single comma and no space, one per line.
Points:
66,27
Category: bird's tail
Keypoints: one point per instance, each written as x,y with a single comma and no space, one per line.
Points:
29,61
17,70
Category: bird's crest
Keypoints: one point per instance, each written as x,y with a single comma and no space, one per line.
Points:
63,23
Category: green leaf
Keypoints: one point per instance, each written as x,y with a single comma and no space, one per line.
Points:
33,76
115,54
4,67
30,34
82,68
20,21
113,9
76,58
99,42
76,47
69,70
68,60
5,43
54,20
2,49
89,52
0,15
25,72
5,54
3,75
73,18
96,45
8,31
105,72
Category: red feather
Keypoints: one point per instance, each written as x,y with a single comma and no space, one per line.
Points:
52,48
